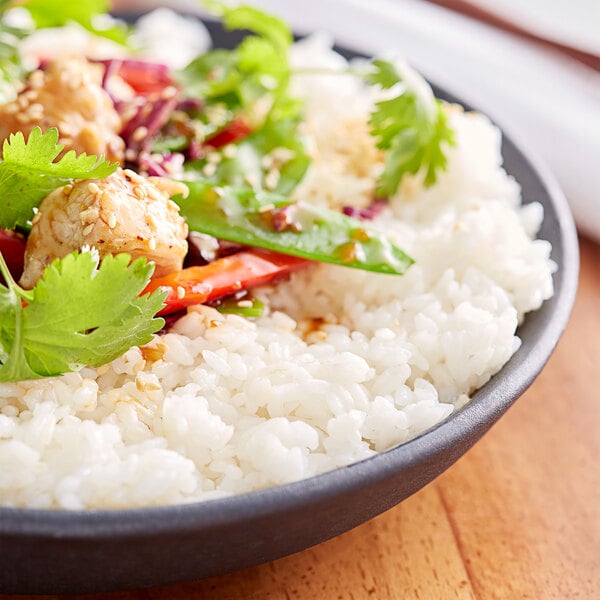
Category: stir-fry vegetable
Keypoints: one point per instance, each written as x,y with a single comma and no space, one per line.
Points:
275,223
223,277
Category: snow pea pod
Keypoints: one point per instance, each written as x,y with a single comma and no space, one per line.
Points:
271,221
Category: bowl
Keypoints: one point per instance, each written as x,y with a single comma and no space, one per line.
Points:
45,551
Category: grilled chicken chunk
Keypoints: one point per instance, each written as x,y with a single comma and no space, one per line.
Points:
121,213
68,95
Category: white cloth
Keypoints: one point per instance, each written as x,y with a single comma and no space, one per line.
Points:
549,103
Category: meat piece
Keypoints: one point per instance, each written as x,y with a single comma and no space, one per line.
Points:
67,95
121,213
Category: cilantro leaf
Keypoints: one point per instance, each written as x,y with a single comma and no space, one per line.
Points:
77,314
252,81
258,66
411,127
29,172
84,12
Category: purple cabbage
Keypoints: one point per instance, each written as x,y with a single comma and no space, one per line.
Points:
368,213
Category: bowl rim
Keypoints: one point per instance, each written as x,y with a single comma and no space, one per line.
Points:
485,407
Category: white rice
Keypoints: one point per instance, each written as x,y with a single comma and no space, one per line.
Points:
343,365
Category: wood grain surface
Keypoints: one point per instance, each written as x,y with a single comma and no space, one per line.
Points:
518,517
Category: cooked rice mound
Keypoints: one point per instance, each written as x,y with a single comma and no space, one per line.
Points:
343,365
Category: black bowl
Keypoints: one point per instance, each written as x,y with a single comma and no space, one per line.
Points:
43,551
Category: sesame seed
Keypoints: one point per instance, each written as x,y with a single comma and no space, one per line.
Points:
272,179
138,192
230,151
140,133
93,188
67,189
180,292
87,230
130,154
89,215
151,221
22,118
112,220
282,155
209,169
152,244
245,303
36,218
251,180
213,158
36,79
266,162
169,92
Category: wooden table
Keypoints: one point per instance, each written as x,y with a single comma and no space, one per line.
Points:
517,517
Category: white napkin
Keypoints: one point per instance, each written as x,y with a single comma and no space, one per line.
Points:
548,103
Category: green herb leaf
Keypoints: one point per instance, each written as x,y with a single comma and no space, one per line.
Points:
251,81
84,12
257,67
30,171
78,314
278,143
273,222
411,127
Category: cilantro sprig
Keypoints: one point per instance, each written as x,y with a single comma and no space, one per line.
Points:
29,171
90,14
251,82
80,313
257,66
411,127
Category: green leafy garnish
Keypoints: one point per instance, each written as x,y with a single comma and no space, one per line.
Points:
257,69
411,127
84,12
29,171
273,222
273,158
78,314
250,82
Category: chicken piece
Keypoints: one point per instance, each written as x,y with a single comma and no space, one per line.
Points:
122,213
67,95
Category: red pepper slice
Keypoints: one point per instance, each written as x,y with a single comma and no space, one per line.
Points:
223,277
233,132
144,77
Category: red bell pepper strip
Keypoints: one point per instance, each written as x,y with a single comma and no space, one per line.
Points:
12,247
144,77
223,277
233,132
